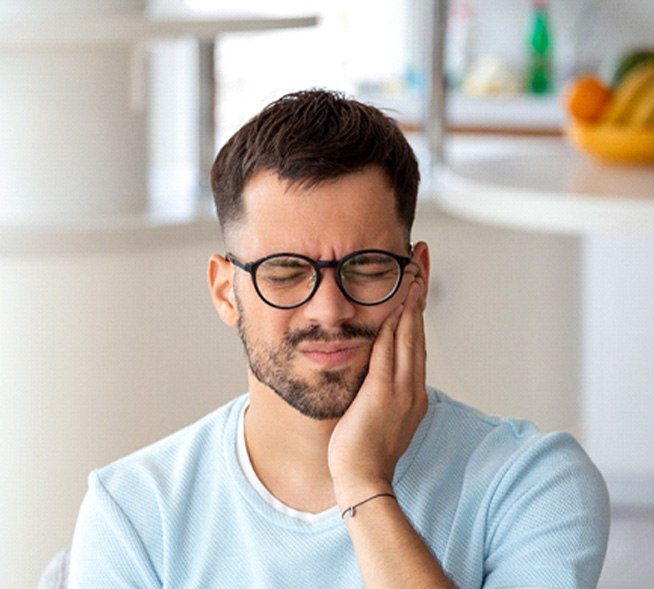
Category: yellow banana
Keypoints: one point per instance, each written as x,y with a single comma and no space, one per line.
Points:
642,114
627,94
614,143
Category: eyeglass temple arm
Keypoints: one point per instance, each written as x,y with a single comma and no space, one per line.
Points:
238,263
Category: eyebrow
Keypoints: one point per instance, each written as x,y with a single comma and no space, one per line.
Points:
287,260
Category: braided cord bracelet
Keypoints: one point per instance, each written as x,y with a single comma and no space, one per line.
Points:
352,509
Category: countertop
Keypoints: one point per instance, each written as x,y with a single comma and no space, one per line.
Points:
542,184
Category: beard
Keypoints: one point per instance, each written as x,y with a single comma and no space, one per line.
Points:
330,393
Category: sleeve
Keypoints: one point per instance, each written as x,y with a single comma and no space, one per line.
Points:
107,551
548,520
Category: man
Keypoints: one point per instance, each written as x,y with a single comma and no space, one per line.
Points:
340,468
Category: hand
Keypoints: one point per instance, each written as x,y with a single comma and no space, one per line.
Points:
377,428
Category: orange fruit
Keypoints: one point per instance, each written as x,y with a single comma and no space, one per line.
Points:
586,97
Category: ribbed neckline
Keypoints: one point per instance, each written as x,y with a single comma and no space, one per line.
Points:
247,469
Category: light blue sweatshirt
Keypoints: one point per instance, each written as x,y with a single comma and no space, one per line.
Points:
499,503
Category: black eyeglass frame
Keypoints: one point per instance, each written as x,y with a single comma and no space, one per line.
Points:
251,268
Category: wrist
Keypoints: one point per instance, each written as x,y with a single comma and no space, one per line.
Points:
349,492
351,511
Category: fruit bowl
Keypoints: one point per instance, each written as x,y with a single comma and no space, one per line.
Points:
613,143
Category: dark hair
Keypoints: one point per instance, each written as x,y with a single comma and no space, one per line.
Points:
310,137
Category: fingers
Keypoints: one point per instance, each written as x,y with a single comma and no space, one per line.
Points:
398,354
382,357
412,269
410,344
391,402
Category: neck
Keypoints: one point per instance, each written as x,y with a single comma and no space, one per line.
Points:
288,450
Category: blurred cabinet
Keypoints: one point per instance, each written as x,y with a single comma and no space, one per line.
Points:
610,209
502,332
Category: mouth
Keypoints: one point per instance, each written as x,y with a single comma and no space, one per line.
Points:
332,354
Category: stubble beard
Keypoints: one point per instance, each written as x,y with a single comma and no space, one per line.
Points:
331,392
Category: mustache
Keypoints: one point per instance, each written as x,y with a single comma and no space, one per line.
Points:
315,333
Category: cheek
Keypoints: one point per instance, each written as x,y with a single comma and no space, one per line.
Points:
374,316
263,322
250,307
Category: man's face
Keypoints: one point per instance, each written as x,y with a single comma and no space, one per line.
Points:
315,356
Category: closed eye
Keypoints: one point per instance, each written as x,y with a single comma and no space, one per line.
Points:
284,278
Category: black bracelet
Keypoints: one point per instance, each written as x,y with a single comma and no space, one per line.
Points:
351,510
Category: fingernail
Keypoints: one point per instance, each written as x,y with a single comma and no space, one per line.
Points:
416,292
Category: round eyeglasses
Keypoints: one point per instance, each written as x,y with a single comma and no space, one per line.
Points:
365,277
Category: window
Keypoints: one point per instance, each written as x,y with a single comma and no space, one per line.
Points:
358,47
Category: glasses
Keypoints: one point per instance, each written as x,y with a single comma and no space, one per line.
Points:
365,277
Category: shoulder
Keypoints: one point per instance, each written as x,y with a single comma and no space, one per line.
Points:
500,458
137,507
470,433
167,466
497,439
532,502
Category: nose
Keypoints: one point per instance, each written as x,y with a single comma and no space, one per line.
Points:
328,306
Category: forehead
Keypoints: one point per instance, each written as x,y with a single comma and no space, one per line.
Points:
331,218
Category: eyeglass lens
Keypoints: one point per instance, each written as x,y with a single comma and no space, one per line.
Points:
288,280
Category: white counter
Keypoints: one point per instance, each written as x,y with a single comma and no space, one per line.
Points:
545,185
136,28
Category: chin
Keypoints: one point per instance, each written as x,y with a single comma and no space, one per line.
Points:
327,397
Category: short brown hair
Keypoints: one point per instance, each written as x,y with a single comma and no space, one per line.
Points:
310,137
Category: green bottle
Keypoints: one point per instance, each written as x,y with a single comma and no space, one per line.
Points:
539,72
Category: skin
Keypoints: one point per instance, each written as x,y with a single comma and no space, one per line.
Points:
311,464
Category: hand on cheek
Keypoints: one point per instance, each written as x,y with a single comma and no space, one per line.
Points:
379,425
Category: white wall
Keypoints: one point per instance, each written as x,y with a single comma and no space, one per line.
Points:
103,351
618,371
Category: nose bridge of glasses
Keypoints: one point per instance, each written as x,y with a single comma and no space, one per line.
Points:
334,266
322,264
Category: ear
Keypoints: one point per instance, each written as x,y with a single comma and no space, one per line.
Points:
421,259
220,274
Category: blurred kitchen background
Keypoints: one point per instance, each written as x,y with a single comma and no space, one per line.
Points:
110,114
